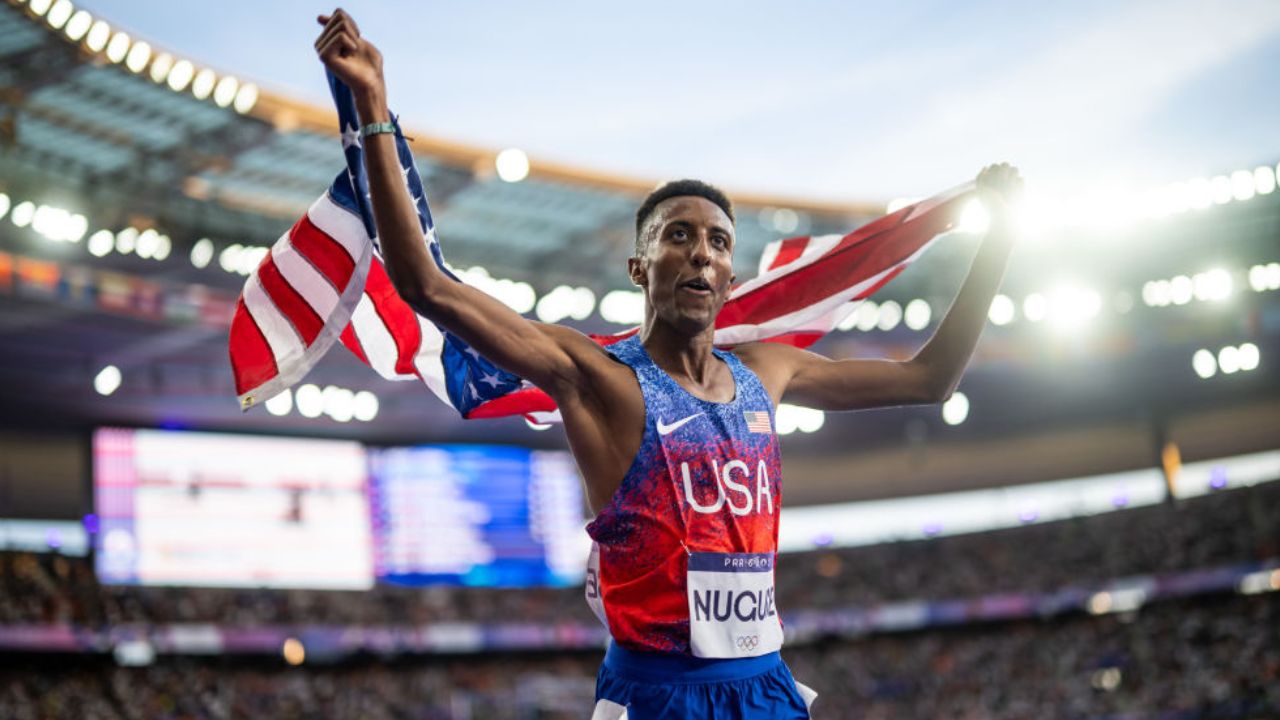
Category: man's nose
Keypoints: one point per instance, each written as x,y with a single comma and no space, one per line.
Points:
700,254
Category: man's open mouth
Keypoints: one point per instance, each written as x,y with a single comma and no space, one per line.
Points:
697,285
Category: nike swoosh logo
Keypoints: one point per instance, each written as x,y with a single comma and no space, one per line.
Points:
668,429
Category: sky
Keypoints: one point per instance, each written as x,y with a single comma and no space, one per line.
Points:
832,101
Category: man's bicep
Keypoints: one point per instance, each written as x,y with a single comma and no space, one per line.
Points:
539,353
836,385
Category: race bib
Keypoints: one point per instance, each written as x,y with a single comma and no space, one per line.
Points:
732,613
595,599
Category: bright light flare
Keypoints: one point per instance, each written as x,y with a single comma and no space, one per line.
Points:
956,409
281,404
1204,363
1002,310
512,165
974,218
107,380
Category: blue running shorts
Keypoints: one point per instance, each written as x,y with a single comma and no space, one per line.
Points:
655,686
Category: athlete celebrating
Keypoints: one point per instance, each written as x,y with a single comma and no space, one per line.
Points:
673,437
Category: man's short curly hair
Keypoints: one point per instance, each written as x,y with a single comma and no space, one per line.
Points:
677,188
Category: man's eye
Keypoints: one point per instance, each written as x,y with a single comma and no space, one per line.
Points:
721,240
679,235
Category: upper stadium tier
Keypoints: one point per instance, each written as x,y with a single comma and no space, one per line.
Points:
140,134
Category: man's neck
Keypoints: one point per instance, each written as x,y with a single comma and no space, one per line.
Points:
681,355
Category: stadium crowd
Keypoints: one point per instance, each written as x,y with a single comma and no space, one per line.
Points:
1226,527
1215,657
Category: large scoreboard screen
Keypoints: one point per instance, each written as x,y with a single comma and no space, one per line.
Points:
187,508
477,515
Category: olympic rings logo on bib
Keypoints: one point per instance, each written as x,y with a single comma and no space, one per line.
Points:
747,643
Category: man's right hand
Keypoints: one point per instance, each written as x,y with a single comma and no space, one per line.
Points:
352,58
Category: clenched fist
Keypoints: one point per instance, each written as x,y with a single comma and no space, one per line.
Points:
350,57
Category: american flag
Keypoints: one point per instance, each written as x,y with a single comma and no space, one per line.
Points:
324,281
758,421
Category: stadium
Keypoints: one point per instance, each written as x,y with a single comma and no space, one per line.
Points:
1088,527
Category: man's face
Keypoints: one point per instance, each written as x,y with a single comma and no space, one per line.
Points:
687,269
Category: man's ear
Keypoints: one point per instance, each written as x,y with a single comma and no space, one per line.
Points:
635,268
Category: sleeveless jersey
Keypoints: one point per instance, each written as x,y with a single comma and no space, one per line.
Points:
683,554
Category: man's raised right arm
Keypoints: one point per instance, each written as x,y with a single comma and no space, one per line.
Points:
542,354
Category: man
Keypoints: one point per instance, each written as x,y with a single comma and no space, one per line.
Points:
673,437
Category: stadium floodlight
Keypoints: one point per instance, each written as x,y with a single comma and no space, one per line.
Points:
281,404
1002,310
521,297
246,98
4,205
785,420
98,35
1199,194
160,67
100,243
1264,180
868,314
786,220
138,57
23,213
118,48
624,307
203,84
78,25
1035,307
512,165
584,301
1249,356
956,409
310,401
202,253
1273,276
974,218
1242,185
293,651
163,247
917,314
1156,293
1072,306
339,403
1257,276
365,406
229,258
127,240
890,315
77,226
225,91
1181,290
180,75
107,380
1213,284
1220,189
59,13
1204,363
1229,360
809,420
40,7
148,240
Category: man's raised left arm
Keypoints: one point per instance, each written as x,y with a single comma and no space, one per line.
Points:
931,376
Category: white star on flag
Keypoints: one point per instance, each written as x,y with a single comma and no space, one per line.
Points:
491,379
350,136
